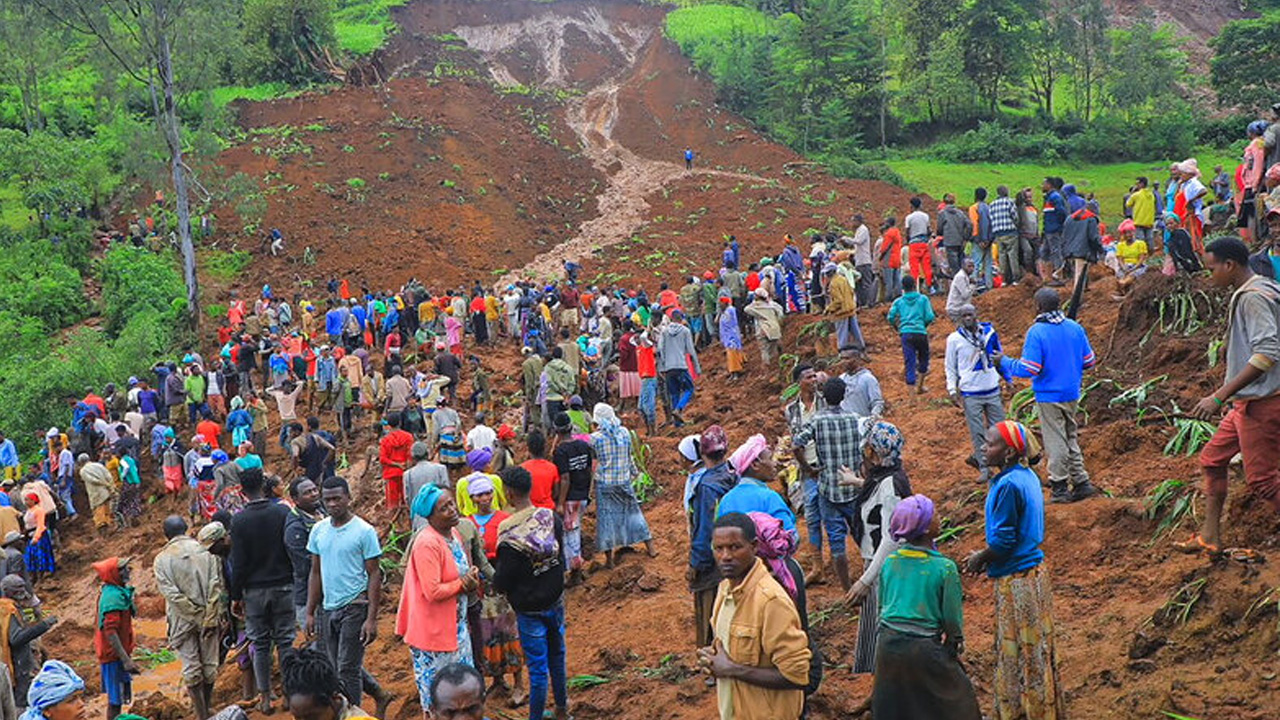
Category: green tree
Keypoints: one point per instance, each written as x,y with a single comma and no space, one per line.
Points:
33,48
995,51
1088,53
1048,39
1147,62
1244,54
828,76
287,39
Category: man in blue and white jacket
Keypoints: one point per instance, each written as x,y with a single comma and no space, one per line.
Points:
1055,355
973,379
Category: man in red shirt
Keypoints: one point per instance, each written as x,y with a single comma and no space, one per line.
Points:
113,638
667,298
647,367
544,472
890,258
393,453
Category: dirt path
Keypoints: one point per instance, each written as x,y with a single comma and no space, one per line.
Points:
592,116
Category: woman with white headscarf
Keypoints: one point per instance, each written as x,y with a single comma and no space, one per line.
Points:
619,520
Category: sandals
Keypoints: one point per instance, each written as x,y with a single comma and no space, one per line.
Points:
1244,555
1195,545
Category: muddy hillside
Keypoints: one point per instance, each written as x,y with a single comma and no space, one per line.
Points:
501,139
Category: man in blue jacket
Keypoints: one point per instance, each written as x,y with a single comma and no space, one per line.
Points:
1054,215
1055,354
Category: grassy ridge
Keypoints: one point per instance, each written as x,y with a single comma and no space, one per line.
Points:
1109,182
362,26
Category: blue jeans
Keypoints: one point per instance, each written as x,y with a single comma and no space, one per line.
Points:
915,355
679,388
892,283
813,513
837,520
542,640
849,334
648,402
982,261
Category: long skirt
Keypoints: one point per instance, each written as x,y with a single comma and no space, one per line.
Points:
733,360
619,520
480,327
628,385
500,634
40,555
1026,678
917,678
427,664
864,653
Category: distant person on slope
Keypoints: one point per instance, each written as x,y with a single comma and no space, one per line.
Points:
688,159
1251,386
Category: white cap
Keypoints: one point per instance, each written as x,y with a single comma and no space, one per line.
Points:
53,433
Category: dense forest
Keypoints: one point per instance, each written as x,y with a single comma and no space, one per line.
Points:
1039,81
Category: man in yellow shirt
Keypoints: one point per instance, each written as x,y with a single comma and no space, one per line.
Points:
1142,207
761,655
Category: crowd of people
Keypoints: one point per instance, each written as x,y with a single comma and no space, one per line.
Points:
277,560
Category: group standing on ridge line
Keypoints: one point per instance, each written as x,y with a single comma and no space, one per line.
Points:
272,555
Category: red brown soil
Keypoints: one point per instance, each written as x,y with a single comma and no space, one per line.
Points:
633,624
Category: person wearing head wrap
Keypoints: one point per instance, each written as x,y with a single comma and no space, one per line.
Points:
619,520
479,461
1130,257
776,546
494,634
767,315
1178,242
754,465
1026,668
100,486
40,555
113,640
884,484
730,336
921,626
56,693
17,633
432,617
1189,203
706,486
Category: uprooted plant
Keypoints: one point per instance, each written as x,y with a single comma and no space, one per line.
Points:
1190,435
1184,312
1177,610
1170,503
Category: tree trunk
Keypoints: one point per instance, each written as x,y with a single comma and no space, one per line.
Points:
173,137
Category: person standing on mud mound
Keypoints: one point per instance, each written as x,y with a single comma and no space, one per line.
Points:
705,489
190,579
688,159
1055,354
675,354
973,379
1026,682
1251,386
837,439
760,656
262,582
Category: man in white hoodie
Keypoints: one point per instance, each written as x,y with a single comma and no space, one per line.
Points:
973,378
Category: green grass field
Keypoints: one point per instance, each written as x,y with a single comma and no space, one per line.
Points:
1108,182
362,26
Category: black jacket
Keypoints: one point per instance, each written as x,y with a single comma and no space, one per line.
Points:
258,555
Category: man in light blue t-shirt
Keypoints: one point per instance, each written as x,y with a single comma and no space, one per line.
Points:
344,572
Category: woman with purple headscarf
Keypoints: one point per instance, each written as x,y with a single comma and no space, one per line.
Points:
885,484
921,630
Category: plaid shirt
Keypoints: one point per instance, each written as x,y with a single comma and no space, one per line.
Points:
1004,217
615,464
835,435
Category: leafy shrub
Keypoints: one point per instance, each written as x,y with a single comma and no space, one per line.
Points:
850,168
282,36
37,284
134,281
994,142
226,264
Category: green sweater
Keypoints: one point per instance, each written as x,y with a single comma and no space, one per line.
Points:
911,313
920,593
